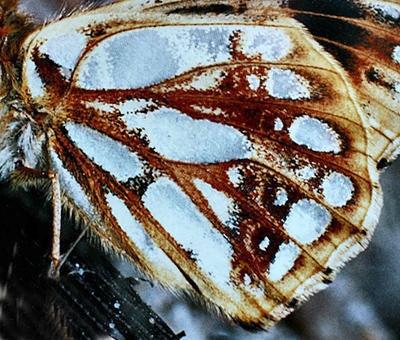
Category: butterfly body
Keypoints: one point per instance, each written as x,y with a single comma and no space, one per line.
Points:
229,149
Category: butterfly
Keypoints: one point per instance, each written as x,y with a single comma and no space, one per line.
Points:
230,149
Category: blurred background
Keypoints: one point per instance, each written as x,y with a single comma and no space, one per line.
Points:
363,302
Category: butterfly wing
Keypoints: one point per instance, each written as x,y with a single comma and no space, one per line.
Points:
222,148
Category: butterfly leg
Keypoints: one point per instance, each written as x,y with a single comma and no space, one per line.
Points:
32,175
55,249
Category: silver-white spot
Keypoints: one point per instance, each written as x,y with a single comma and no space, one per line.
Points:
143,57
254,82
278,124
307,221
264,243
34,82
234,175
69,184
135,231
281,197
65,49
397,86
314,134
267,43
284,261
205,81
111,155
286,84
246,279
179,137
222,205
387,9
180,217
130,106
306,173
396,54
337,189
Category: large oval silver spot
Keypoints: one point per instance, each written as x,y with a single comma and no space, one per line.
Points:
314,134
307,221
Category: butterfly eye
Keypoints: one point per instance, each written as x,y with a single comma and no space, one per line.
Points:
19,163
